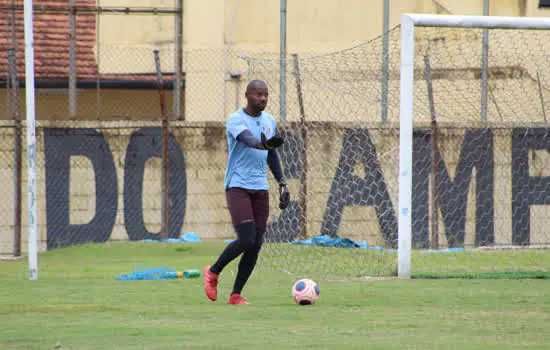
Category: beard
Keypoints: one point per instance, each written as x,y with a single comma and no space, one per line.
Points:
260,106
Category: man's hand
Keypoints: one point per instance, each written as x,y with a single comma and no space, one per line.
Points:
284,196
274,142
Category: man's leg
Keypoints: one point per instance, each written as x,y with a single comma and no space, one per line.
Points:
246,234
247,263
260,207
240,208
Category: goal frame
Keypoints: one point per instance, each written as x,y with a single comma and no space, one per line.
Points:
406,117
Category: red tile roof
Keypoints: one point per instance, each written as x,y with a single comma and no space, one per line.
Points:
51,42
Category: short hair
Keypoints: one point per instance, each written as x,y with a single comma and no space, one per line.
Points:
256,84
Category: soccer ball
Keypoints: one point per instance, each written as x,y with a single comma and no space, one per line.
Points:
305,292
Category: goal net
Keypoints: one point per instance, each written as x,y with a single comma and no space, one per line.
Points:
340,159
473,94
441,140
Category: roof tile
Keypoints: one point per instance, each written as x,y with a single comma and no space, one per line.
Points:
51,43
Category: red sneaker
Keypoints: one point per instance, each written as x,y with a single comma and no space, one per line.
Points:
210,284
236,299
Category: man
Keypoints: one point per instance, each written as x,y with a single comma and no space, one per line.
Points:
252,147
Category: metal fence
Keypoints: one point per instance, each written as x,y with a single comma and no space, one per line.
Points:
101,174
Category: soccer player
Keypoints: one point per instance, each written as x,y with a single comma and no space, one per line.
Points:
252,142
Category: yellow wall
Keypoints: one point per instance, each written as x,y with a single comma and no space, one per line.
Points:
203,23
320,26
252,29
313,27
257,21
311,24
113,104
126,42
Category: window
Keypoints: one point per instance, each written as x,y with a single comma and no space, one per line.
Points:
544,3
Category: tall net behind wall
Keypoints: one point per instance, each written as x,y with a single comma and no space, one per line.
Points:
340,159
480,152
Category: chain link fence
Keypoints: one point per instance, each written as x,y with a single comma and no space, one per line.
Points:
479,178
102,181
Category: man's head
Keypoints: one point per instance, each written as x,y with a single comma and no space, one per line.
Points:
256,95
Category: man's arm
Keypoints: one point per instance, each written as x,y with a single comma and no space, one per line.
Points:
274,163
248,139
251,141
275,166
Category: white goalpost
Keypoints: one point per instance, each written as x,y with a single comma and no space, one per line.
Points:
31,141
407,100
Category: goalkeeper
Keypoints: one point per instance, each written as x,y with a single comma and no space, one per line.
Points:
252,147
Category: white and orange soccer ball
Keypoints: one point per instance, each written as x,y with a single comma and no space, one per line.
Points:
305,292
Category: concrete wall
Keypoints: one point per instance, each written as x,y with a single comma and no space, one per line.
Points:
111,104
98,182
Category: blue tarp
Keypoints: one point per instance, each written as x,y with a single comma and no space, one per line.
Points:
323,241
448,250
149,273
186,237
327,241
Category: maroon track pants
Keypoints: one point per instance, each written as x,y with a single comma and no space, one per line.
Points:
248,206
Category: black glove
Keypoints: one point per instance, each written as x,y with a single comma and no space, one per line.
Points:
284,196
274,142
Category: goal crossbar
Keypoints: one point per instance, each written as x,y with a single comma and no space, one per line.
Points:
408,23
489,22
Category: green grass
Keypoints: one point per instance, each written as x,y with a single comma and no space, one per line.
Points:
77,304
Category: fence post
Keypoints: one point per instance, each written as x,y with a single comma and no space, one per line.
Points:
304,135
72,59
165,182
17,186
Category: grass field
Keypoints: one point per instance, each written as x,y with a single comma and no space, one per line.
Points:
77,304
